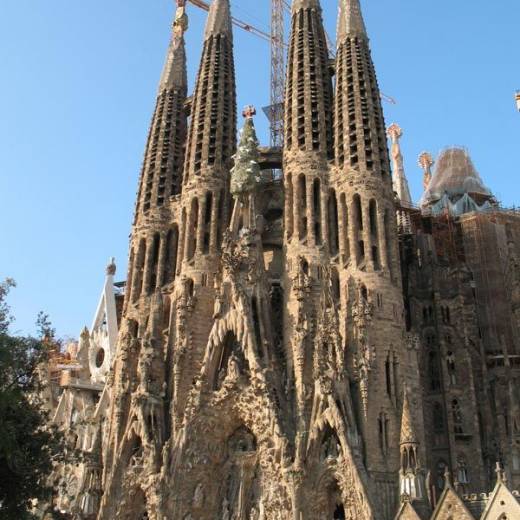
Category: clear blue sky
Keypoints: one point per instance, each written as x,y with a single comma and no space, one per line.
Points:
77,89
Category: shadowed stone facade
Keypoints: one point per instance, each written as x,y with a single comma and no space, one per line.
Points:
310,347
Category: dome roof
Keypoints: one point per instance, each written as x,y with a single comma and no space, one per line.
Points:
455,175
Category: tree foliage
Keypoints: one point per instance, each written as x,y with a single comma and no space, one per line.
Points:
29,445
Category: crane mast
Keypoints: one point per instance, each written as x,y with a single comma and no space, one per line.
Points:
277,72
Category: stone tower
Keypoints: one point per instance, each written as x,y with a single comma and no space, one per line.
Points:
307,147
378,357
137,422
203,209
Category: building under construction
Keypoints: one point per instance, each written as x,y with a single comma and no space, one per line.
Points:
305,346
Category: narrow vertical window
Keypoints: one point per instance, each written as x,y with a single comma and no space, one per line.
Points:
358,228
170,260
333,224
372,212
302,196
207,222
289,205
139,268
154,264
316,201
345,233
193,228
182,248
388,241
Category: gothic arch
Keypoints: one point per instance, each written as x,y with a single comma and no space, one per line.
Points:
228,359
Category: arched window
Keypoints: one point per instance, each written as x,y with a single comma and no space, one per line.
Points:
316,201
220,212
372,211
391,372
333,224
255,311
139,268
277,307
358,228
207,222
302,203
388,240
193,228
154,263
170,259
289,204
182,248
345,233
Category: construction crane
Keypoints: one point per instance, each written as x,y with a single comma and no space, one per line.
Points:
276,38
239,23
275,109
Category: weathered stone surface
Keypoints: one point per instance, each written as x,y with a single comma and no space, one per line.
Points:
291,352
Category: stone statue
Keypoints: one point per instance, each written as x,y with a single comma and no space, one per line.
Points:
198,497
233,368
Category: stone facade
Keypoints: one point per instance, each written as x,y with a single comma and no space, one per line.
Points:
310,347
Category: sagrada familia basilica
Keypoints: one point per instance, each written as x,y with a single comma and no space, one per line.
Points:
305,345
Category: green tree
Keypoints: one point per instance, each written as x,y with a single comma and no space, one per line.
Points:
29,445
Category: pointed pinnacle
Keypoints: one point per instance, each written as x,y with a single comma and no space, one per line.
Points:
174,72
219,19
350,20
305,4
408,435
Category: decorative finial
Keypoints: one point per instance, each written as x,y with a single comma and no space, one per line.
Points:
447,477
395,132
426,162
111,267
501,477
249,111
180,24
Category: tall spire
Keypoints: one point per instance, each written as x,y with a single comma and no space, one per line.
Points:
174,71
164,155
212,142
308,99
350,20
219,19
